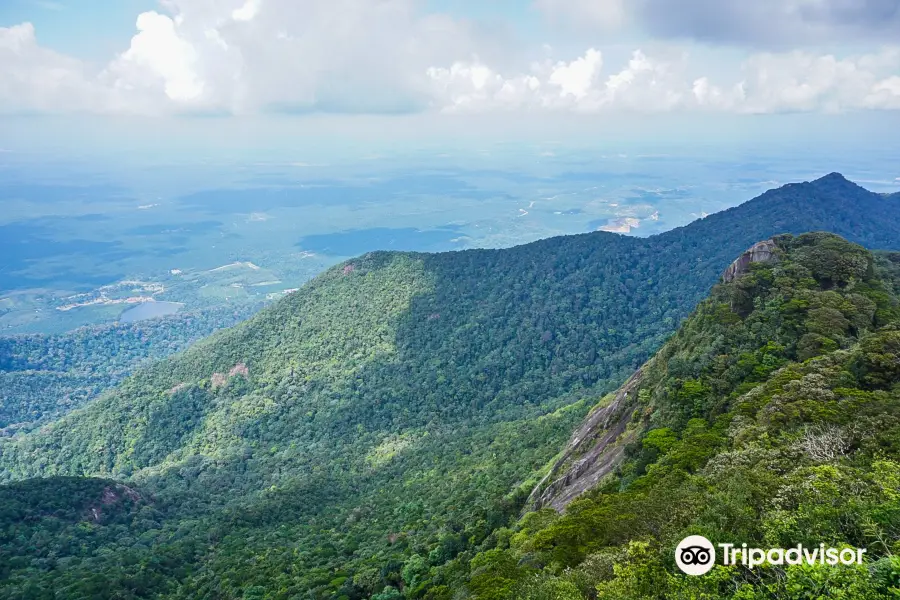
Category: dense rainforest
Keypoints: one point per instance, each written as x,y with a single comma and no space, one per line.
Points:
377,433
771,418
43,377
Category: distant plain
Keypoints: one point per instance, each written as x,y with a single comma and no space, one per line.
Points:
83,244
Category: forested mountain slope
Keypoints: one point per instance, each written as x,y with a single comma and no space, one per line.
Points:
771,418
42,377
831,203
889,265
391,414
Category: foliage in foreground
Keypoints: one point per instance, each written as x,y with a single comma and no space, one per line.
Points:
771,418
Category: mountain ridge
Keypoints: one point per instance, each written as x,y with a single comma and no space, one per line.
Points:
604,430
400,404
770,417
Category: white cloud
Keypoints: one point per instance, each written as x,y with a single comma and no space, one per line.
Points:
33,78
801,81
471,85
248,11
645,83
885,94
577,77
765,83
257,56
707,95
247,56
159,56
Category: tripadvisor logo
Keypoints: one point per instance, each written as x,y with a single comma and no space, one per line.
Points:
696,555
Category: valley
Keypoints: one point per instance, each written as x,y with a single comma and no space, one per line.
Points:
378,433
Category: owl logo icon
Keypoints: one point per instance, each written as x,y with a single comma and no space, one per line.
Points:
695,555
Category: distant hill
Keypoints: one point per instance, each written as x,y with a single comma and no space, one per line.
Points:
44,376
831,203
398,410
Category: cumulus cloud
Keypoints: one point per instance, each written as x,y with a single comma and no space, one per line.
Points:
800,81
248,11
645,83
35,79
758,22
765,83
159,58
258,56
577,78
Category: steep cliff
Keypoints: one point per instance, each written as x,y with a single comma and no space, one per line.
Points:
597,447
759,252
595,450
771,418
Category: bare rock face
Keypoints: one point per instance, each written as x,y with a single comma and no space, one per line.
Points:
112,495
759,252
595,450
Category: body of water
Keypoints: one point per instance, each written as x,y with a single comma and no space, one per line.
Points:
150,310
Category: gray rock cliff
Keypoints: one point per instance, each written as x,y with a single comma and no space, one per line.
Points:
759,252
595,450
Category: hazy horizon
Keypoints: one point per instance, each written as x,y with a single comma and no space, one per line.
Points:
159,142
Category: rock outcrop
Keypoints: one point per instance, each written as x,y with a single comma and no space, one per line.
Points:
596,448
759,252
113,495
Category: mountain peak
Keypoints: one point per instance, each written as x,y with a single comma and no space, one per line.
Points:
836,181
834,177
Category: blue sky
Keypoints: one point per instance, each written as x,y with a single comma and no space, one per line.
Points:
91,29
96,29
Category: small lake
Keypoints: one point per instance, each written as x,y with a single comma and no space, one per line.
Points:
150,310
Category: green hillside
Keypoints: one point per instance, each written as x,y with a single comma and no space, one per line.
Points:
889,265
385,423
771,418
42,377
